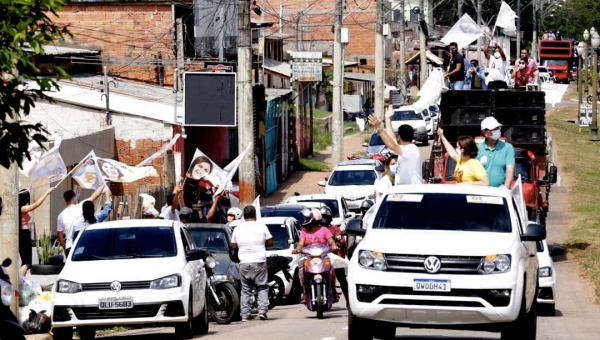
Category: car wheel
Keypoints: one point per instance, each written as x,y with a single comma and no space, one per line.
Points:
86,333
276,291
201,321
296,294
62,333
358,328
186,329
525,327
425,141
386,333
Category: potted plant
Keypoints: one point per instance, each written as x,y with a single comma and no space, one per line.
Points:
47,252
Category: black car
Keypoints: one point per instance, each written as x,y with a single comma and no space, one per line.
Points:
284,210
216,238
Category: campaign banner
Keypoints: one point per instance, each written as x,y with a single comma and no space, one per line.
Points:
35,153
203,168
49,168
162,150
118,172
231,169
86,173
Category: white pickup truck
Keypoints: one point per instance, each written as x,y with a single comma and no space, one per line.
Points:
448,257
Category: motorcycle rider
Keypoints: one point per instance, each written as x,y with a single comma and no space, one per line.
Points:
234,217
365,207
340,273
314,233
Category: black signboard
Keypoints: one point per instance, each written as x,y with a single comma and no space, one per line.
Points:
209,98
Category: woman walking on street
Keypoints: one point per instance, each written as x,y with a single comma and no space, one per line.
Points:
24,233
468,169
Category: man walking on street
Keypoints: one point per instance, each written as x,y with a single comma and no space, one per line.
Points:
409,157
497,157
251,239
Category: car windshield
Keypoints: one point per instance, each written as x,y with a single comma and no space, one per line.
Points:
352,177
376,140
125,243
280,236
212,239
433,108
557,62
454,212
332,204
407,115
282,213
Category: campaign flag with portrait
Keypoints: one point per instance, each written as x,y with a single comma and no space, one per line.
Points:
86,173
118,172
49,168
231,169
35,153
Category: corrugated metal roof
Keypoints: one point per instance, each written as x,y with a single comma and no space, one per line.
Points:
274,93
278,66
359,76
63,50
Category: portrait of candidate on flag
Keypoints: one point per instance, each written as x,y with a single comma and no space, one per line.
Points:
118,172
203,177
86,173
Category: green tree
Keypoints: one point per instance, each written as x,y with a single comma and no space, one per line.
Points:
25,25
574,17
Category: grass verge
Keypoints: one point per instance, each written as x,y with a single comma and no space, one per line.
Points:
306,164
580,160
321,113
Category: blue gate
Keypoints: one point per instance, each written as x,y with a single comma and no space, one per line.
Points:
272,120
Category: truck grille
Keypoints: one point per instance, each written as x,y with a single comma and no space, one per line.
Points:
138,311
450,264
124,285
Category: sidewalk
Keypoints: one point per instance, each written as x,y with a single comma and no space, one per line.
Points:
305,182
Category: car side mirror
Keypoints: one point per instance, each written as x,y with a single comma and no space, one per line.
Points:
365,145
196,254
552,174
321,183
535,232
350,215
556,251
425,169
427,119
354,227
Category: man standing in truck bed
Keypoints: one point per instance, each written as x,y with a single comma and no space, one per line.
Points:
497,157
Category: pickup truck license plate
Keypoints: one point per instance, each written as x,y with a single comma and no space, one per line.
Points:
115,303
430,285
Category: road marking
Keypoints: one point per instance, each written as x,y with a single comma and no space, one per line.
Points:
329,338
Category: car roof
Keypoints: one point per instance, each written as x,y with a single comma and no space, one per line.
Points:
316,197
134,223
284,206
450,189
275,219
363,161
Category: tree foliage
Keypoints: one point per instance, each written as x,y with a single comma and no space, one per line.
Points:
24,24
574,17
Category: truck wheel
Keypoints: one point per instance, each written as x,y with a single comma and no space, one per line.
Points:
525,327
358,328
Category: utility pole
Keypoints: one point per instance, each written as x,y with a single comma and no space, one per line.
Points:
379,62
175,75
9,220
479,23
180,54
337,147
297,32
107,95
280,18
518,29
422,47
221,31
534,38
244,103
402,47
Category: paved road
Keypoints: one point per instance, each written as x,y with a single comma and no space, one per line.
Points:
577,317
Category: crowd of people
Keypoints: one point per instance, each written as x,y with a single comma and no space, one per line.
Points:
460,76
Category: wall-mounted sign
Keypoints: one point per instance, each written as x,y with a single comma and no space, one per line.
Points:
209,99
307,66
217,66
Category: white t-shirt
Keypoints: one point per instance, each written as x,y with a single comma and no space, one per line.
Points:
496,70
382,185
167,214
67,219
250,236
409,166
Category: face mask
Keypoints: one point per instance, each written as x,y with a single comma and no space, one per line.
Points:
521,66
453,51
393,169
497,55
495,135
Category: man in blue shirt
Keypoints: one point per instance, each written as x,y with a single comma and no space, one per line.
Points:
497,157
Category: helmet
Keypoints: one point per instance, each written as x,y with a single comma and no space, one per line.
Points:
366,205
312,217
235,212
185,213
326,214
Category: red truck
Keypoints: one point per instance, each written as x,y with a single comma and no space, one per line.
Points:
522,115
557,56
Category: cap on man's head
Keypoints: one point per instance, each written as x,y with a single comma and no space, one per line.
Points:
490,123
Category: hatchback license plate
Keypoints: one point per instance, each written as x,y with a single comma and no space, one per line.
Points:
115,303
429,285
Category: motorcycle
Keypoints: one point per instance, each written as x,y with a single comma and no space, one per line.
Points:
275,264
224,299
10,326
590,98
317,276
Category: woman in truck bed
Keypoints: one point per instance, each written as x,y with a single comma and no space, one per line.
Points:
468,169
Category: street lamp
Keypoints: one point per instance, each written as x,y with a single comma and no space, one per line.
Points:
586,37
580,49
594,125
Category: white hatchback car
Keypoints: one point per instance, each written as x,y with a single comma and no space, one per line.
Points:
410,116
336,203
470,265
354,180
132,272
547,295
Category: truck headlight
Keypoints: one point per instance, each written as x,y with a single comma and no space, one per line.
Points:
171,281
7,292
545,272
372,259
64,286
494,264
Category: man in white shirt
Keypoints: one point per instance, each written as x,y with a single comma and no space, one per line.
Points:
251,239
169,211
409,157
70,216
496,77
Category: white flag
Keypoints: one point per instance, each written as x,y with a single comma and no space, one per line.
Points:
159,152
35,153
463,33
86,173
49,168
231,169
506,18
256,205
